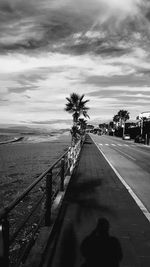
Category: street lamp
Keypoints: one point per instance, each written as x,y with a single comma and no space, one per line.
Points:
123,126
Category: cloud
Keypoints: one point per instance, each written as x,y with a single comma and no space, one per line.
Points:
115,91
131,80
36,87
51,48
20,89
34,24
103,8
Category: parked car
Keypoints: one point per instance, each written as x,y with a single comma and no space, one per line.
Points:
126,137
139,139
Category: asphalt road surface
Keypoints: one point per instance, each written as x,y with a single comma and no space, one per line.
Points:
131,161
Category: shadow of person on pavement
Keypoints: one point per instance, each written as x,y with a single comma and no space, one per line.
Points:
99,249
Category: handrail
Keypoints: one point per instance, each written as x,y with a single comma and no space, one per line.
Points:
67,163
7,209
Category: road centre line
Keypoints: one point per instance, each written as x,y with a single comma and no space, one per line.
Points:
130,157
134,196
137,148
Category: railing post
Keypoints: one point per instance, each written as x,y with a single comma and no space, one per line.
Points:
74,155
62,174
48,202
71,158
4,242
68,161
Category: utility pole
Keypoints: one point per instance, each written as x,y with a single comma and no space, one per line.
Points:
123,126
141,122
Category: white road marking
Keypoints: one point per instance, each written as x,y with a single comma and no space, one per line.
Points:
135,197
113,145
126,154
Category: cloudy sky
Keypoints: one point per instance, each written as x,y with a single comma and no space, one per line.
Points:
51,48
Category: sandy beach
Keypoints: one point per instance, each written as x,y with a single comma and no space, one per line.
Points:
21,162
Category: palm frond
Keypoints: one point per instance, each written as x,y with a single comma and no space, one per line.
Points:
85,114
82,96
74,97
85,108
69,100
77,106
69,107
84,102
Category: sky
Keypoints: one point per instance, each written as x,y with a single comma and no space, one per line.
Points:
51,48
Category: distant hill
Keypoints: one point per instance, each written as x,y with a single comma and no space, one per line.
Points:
19,129
24,130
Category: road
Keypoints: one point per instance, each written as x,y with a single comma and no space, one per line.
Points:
94,191
131,161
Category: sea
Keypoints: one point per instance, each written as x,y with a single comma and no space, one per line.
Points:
24,157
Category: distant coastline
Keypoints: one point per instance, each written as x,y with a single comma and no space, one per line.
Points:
15,139
29,135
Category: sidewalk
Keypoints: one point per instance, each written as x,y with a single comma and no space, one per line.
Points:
94,192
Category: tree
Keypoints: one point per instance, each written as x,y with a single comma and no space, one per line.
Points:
116,122
119,119
111,124
77,107
123,116
103,128
116,118
82,124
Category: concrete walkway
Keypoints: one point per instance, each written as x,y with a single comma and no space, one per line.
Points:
94,192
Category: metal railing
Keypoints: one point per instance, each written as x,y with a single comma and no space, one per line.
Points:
33,209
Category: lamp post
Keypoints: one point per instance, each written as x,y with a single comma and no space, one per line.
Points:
141,126
123,126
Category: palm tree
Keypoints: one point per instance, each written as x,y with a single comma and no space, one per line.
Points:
82,123
116,120
123,116
77,107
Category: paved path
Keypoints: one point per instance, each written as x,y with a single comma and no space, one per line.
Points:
94,192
